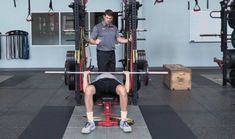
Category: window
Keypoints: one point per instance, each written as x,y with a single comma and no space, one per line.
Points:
67,24
45,29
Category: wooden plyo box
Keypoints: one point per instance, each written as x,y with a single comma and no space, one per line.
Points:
179,77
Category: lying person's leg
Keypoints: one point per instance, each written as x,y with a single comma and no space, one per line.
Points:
90,125
121,91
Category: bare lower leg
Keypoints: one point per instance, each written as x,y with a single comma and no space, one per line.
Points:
89,104
123,98
89,98
121,91
123,103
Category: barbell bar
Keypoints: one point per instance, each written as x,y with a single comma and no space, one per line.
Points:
73,72
72,30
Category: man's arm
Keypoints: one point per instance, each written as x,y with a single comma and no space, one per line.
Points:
122,40
94,34
94,42
127,83
85,80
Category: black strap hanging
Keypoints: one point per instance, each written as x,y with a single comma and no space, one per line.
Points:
158,1
196,7
14,3
188,5
207,4
29,18
51,11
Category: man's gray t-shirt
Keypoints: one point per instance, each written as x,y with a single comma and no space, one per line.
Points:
105,75
108,35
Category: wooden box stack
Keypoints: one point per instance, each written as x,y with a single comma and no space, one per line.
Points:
179,77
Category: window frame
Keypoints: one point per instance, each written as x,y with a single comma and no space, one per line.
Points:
60,31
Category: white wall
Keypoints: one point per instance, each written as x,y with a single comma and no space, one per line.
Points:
42,56
167,36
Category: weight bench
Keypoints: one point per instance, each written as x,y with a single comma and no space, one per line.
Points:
107,103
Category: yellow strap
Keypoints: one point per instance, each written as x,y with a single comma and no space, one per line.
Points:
77,56
135,56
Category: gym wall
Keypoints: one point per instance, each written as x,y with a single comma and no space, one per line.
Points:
167,38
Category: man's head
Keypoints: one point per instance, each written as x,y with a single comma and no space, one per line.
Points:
108,16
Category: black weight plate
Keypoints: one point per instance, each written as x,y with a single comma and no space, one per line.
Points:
69,79
232,77
233,38
145,76
230,58
141,59
231,19
71,82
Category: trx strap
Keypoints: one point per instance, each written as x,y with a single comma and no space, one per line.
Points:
51,11
29,18
158,1
207,4
188,5
14,3
196,7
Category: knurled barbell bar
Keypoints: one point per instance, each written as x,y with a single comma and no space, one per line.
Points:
73,72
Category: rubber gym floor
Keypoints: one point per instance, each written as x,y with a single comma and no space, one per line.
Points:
35,105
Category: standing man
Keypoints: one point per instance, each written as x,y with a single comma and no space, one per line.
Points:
105,36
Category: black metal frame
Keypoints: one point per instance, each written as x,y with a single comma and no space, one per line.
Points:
224,39
79,24
224,36
130,19
132,61
131,56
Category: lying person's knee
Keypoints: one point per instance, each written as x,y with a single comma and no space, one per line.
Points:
90,89
121,90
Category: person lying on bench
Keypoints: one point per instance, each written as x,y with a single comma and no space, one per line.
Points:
103,84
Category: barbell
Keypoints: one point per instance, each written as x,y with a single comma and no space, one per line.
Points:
74,72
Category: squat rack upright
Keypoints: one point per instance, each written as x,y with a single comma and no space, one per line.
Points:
76,60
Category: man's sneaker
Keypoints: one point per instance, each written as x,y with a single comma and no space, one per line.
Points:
89,126
125,126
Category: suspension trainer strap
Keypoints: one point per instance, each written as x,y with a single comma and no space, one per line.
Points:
14,3
29,18
196,7
51,11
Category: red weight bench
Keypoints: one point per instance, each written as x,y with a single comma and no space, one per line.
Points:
107,103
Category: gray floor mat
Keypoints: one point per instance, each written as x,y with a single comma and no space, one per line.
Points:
4,77
13,81
77,121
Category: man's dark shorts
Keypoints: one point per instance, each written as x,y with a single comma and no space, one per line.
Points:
105,87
